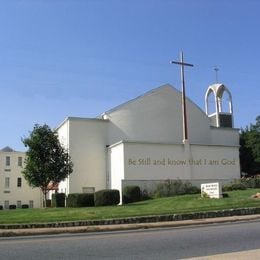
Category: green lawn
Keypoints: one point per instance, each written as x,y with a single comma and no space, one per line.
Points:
170,205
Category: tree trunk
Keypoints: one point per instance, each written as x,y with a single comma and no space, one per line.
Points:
44,192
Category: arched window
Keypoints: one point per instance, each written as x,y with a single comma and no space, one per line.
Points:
218,105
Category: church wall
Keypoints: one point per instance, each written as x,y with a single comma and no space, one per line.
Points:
117,166
224,136
63,133
160,162
215,162
87,147
151,161
148,118
198,125
157,117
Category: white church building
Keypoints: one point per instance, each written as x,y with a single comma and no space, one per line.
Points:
141,142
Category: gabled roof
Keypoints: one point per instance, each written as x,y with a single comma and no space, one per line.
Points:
158,89
7,149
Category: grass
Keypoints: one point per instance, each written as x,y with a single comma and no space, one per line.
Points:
170,205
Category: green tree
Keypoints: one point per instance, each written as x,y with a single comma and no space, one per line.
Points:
250,148
46,160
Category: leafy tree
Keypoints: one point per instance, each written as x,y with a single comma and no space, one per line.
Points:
250,148
46,160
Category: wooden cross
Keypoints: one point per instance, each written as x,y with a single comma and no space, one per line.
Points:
184,112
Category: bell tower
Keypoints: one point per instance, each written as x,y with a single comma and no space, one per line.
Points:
218,105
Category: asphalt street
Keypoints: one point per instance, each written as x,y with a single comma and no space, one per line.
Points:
160,243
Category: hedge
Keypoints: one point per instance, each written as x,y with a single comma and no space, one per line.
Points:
75,200
131,194
12,206
106,197
1,207
58,200
25,206
169,188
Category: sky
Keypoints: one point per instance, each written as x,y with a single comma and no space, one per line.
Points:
61,58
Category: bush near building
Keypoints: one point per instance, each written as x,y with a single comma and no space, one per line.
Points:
75,200
170,188
58,200
106,197
243,183
131,194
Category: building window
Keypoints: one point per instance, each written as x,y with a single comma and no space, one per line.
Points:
6,204
19,182
19,204
7,161
31,204
7,182
20,161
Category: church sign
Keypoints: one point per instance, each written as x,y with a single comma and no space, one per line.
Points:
211,190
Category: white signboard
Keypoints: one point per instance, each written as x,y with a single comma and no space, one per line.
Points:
212,190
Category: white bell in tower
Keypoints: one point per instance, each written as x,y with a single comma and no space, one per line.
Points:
221,113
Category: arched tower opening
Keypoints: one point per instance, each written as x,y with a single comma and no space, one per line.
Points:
218,105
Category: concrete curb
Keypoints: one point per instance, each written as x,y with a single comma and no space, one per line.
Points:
171,220
124,227
141,219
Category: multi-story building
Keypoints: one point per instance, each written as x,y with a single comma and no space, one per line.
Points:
14,189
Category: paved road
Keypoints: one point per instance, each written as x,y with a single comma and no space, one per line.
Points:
170,243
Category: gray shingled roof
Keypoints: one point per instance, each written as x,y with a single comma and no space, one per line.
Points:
7,149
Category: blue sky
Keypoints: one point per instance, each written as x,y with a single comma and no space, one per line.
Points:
62,58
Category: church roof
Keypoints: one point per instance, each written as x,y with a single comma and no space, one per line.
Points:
165,86
155,90
7,149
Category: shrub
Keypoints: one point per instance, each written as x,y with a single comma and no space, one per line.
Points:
175,187
106,197
12,206
1,207
58,200
237,185
145,195
25,206
75,200
131,194
251,182
243,183
225,195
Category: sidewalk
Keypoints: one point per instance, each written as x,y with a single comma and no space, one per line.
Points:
122,227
